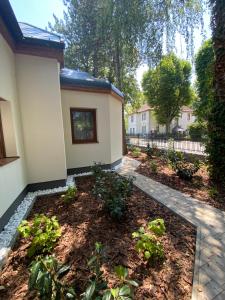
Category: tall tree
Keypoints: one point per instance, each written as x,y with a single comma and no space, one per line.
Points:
167,88
216,124
204,65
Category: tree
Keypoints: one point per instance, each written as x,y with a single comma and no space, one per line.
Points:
204,65
167,88
216,122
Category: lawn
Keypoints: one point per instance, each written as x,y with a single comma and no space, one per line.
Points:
158,167
84,221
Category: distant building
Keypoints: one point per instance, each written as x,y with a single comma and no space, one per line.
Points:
143,121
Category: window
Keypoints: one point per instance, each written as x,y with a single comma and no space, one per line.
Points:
189,116
143,129
83,125
132,119
2,143
143,116
133,130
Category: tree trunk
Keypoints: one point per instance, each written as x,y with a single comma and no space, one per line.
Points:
167,129
216,124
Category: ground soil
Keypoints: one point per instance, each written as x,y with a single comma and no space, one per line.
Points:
199,187
84,222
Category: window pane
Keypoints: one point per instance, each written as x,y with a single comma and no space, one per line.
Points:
83,125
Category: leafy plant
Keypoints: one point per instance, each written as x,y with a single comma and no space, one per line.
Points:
70,195
213,192
185,170
43,231
157,226
147,243
45,277
125,290
154,167
97,284
149,151
113,190
136,152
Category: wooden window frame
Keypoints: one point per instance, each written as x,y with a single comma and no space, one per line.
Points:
86,141
2,142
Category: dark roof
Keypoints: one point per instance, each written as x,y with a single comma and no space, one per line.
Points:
26,33
77,78
30,31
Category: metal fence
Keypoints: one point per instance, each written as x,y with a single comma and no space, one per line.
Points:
162,142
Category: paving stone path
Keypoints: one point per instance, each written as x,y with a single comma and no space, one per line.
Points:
209,271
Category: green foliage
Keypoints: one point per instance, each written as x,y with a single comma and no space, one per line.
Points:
125,290
197,131
152,151
167,88
174,156
70,195
147,243
157,226
185,170
213,192
44,232
204,65
153,167
46,277
113,190
136,152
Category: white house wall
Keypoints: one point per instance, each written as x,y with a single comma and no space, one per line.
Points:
115,109
40,103
83,155
13,177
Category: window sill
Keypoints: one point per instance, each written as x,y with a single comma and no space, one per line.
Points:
84,142
7,160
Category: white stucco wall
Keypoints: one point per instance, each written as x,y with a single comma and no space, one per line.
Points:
115,110
83,155
40,103
13,177
184,121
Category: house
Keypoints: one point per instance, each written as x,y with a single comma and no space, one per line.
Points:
143,121
54,121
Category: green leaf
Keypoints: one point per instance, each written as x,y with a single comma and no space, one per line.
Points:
121,272
62,271
107,295
115,292
147,255
125,291
90,291
35,269
132,282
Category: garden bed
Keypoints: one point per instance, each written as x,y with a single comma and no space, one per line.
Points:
199,187
84,222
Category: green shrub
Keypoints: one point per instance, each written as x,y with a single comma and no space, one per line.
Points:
70,195
46,277
136,152
125,289
197,131
153,167
185,170
147,243
213,192
43,231
113,190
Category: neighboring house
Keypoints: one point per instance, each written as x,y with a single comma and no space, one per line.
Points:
54,121
144,121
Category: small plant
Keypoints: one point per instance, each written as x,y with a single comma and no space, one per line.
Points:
113,190
70,195
186,170
149,151
46,277
97,284
136,152
213,192
125,290
147,243
153,167
43,231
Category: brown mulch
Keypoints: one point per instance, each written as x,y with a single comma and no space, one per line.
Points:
84,222
199,187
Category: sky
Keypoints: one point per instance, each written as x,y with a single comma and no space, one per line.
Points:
40,12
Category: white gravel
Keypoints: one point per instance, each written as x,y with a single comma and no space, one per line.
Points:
9,233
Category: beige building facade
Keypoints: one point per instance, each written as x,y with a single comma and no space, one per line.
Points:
53,121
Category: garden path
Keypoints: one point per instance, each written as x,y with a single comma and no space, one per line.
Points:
209,271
